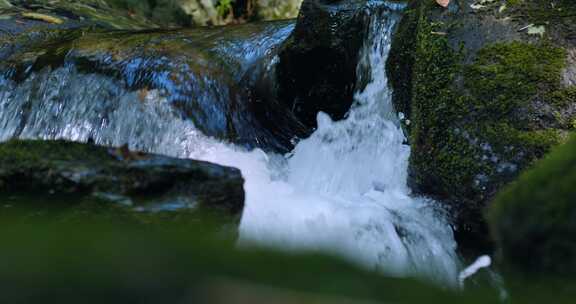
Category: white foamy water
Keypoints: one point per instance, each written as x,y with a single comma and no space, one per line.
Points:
342,191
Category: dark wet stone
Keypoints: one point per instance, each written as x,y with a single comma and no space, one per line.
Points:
137,180
317,70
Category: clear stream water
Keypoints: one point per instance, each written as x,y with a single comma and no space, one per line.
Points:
342,191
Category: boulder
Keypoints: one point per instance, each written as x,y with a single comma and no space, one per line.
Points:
318,62
200,75
59,173
487,88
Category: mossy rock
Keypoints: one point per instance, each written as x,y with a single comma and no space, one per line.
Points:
483,99
533,221
65,181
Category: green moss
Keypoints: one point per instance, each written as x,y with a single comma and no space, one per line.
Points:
563,97
475,117
401,59
533,219
432,109
514,2
458,111
18,154
506,76
534,143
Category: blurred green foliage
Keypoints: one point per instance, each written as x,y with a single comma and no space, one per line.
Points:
97,262
224,7
534,222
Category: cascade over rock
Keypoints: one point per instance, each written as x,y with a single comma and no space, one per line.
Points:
202,74
262,96
486,87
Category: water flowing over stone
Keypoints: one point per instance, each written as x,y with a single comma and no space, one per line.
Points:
93,84
343,190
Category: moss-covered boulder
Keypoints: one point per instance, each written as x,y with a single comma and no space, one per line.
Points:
487,88
65,180
534,221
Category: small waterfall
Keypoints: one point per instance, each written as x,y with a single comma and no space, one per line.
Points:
343,190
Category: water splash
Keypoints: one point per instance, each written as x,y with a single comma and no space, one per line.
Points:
343,190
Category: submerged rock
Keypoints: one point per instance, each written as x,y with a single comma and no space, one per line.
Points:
141,182
534,222
484,95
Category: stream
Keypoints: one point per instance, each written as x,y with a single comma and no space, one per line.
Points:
342,191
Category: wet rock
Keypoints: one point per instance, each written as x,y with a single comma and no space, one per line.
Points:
138,181
203,75
532,221
487,92
242,84
317,69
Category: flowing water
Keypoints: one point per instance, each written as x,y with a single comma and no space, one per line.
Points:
342,191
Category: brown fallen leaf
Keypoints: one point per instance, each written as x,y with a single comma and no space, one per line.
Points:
42,17
142,94
443,3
